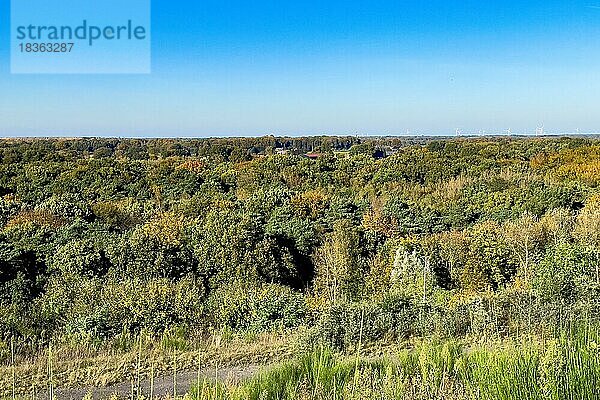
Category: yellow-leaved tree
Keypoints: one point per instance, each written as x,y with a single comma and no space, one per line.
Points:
339,275
587,230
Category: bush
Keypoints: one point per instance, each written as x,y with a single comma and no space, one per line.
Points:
344,325
565,274
104,307
260,308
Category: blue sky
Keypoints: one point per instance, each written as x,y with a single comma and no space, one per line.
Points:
229,68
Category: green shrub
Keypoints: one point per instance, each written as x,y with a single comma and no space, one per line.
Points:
256,308
105,307
344,324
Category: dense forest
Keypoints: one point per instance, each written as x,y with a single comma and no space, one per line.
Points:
383,238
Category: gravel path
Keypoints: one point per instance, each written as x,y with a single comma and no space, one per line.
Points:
163,386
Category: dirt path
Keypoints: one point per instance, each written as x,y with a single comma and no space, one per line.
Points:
161,387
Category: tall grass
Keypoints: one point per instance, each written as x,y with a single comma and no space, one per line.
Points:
565,368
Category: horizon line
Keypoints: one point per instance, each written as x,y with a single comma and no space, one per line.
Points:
462,135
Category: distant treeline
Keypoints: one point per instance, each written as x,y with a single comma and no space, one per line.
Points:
226,149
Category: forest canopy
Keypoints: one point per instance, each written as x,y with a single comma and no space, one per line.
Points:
102,236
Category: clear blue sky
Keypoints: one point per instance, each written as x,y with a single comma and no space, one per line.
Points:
330,67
